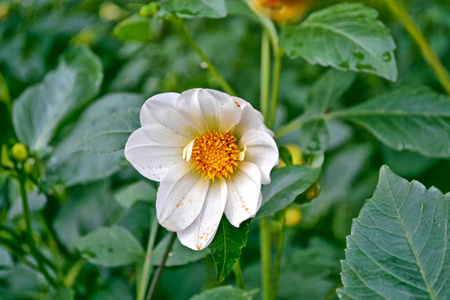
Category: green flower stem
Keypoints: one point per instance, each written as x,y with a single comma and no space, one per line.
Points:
161,267
266,261
73,273
222,82
433,60
297,123
279,256
275,85
4,93
29,230
238,274
265,74
145,275
53,246
18,252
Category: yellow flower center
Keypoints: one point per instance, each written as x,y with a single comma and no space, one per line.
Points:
215,154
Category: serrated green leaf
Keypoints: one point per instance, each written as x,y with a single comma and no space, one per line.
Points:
346,36
226,293
110,247
407,119
180,255
227,246
141,190
40,108
111,134
287,184
398,248
135,28
196,8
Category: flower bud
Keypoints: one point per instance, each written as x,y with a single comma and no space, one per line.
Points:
149,10
293,216
20,152
281,11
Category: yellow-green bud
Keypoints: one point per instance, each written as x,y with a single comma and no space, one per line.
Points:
293,216
20,152
149,10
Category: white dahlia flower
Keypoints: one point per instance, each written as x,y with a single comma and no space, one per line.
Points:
211,152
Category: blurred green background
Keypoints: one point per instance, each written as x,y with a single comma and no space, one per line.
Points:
34,33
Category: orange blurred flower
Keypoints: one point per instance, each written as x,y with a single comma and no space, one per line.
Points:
281,11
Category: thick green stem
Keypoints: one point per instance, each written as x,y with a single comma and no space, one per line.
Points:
266,261
265,74
4,93
275,86
279,257
238,274
222,82
430,56
29,230
145,275
161,267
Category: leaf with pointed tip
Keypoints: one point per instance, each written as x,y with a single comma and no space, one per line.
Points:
399,245
227,246
407,119
346,36
40,108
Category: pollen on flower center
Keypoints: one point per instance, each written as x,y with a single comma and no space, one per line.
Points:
215,154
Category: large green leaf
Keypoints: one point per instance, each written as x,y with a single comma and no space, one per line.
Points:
287,184
227,246
407,119
180,255
40,108
346,36
225,293
77,167
110,247
196,8
141,190
399,244
111,133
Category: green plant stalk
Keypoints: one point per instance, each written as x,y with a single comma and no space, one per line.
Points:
161,267
145,275
279,256
29,230
53,246
17,252
430,56
4,93
238,274
266,261
222,82
275,85
265,74
73,273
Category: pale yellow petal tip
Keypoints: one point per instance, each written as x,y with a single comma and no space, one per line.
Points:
187,151
241,155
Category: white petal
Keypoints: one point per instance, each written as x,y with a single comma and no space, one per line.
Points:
166,98
160,109
180,197
261,150
202,231
251,119
154,149
244,189
209,109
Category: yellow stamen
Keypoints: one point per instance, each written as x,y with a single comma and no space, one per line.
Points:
215,154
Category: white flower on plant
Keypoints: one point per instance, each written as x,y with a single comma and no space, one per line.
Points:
211,152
